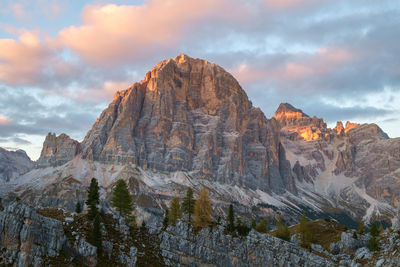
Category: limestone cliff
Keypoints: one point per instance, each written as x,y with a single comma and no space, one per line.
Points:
57,150
191,115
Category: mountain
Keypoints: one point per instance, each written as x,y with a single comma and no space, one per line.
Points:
189,123
57,150
191,115
357,166
13,164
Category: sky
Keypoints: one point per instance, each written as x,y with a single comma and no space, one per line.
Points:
61,61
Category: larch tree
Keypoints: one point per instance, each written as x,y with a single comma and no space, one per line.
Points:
304,232
360,228
202,210
262,226
174,211
188,203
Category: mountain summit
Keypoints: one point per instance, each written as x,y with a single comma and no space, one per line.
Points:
191,115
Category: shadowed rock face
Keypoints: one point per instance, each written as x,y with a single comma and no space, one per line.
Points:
191,115
57,150
13,164
26,238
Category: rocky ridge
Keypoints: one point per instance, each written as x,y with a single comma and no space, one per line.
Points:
13,164
211,247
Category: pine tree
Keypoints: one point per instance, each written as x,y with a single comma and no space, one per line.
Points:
374,229
166,219
96,233
230,227
262,226
373,244
202,210
93,198
122,199
188,203
242,228
361,228
78,208
174,211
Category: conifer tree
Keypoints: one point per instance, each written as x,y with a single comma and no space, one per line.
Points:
282,231
174,211
230,227
188,203
373,244
262,226
374,229
304,232
241,227
122,199
78,208
202,210
360,228
286,233
166,219
93,198
96,233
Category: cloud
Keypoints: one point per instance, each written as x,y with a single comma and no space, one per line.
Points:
112,34
23,61
4,121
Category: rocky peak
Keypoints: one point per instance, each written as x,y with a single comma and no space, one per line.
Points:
298,125
191,115
13,164
57,150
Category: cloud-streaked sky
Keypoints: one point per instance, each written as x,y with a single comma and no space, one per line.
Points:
61,61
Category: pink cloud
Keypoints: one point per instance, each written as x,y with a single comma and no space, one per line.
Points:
4,120
321,63
286,4
113,33
22,61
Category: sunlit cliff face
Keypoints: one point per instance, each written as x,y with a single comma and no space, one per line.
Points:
293,120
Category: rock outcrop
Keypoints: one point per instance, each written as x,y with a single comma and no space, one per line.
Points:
13,164
191,115
299,125
27,238
57,150
210,247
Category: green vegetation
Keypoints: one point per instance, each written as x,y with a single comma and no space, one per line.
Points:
282,230
202,210
166,219
262,226
174,211
96,234
360,228
78,208
93,198
230,226
372,242
304,233
188,203
242,228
